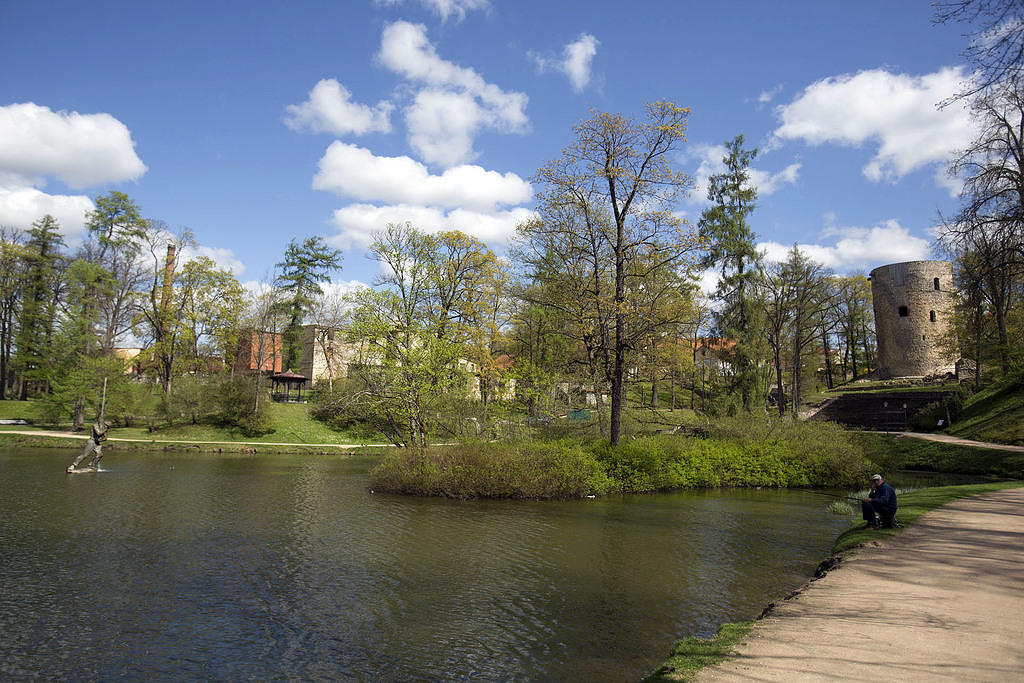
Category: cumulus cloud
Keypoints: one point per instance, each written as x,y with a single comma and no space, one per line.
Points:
858,248
356,172
447,8
443,125
896,112
575,61
397,189
330,109
455,103
79,150
223,257
22,206
710,157
357,222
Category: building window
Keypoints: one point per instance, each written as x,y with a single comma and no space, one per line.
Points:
936,283
931,315
903,312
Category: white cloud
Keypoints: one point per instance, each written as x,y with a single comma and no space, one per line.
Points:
22,206
447,8
442,126
767,96
356,172
357,222
340,288
80,150
456,102
575,61
895,111
711,156
859,248
330,109
223,257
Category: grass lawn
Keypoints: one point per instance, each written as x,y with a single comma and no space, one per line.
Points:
994,414
290,421
19,410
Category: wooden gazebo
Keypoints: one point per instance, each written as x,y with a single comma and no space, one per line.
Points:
288,380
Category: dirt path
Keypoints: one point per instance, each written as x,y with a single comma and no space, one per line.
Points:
942,601
946,438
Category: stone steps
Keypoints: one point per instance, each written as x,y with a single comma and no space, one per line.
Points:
877,411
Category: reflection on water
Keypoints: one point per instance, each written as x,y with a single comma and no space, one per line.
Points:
172,566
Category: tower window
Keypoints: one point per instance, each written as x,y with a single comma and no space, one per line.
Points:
903,312
931,315
936,283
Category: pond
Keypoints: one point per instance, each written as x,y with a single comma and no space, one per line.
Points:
188,566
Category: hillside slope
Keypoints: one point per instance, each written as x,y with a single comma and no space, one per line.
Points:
994,414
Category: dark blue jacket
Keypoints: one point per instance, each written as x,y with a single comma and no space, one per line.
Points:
883,497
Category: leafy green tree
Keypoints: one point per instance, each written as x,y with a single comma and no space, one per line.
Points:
731,250
73,373
409,364
610,199
305,267
855,318
810,298
12,281
38,320
210,303
117,234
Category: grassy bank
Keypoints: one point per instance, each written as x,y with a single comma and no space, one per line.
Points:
994,414
289,423
777,455
891,453
690,655
45,439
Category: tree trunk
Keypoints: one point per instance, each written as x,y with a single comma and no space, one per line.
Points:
828,357
781,398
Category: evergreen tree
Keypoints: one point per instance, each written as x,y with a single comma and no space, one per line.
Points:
36,325
304,268
731,250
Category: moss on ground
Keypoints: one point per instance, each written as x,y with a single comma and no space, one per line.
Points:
690,655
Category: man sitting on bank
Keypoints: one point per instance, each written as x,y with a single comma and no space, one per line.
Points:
881,500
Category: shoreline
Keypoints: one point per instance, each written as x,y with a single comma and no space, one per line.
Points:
24,438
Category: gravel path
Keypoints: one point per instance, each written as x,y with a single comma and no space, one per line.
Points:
944,600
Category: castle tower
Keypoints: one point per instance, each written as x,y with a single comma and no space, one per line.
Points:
913,304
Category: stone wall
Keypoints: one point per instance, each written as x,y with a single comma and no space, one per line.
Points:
913,304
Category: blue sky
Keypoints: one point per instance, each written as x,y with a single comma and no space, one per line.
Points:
252,123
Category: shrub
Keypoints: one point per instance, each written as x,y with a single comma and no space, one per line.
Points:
786,454
236,400
560,469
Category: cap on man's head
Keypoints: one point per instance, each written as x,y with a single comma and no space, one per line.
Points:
876,477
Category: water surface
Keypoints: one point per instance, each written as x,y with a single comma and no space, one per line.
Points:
172,566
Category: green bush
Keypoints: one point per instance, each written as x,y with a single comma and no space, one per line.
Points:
793,454
236,399
560,469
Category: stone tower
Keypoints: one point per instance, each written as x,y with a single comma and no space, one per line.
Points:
913,304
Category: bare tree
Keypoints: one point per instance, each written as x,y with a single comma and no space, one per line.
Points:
996,48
